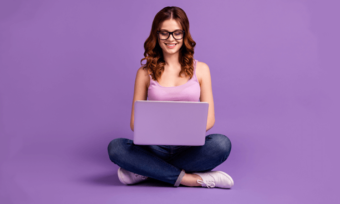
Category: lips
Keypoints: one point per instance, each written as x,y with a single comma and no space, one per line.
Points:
170,46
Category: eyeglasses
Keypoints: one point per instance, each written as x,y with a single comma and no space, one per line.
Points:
164,35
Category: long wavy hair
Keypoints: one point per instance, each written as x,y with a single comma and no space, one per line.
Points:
153,52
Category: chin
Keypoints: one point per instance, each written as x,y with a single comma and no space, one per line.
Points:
171,52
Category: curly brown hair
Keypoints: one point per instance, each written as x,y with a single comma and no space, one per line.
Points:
153,52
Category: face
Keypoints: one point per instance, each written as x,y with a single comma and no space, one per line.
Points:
170,25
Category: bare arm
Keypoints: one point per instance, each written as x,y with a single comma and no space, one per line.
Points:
140,91
207,95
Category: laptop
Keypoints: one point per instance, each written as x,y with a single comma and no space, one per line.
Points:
180,123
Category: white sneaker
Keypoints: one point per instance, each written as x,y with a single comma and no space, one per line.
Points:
215,179
128,177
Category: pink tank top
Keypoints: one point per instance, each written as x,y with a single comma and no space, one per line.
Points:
190,91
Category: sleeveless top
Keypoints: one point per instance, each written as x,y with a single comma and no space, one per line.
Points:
190,91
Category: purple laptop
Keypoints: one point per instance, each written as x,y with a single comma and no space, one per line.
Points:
170,122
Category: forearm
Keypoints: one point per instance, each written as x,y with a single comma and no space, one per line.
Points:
132,126
210,124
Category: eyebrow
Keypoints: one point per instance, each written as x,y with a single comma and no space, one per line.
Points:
168,31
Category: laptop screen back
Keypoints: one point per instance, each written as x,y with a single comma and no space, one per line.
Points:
170,122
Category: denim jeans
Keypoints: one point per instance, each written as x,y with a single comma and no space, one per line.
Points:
169,163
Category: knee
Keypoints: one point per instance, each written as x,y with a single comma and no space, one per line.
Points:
116,147
222,144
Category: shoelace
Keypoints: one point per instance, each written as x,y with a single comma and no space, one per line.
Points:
209,184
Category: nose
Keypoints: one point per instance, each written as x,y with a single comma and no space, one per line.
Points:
171,37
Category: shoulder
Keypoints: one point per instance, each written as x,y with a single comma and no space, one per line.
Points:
143,75
143,71
202,71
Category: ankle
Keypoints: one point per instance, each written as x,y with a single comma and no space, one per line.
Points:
191,180
197,177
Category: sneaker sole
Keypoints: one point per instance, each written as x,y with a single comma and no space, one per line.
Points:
228,177
121,176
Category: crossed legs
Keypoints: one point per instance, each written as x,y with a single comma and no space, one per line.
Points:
139,160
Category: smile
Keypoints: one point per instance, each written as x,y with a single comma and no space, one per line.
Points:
170,45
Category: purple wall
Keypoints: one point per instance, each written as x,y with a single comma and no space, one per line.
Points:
67,71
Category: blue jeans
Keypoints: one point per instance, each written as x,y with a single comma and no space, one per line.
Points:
169,163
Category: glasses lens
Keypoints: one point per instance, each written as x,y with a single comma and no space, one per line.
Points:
178,35
163,35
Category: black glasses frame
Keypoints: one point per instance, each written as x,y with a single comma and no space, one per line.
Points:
171,33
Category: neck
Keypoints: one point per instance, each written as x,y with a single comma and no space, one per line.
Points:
172,60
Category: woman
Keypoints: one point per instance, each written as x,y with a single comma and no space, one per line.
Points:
170,74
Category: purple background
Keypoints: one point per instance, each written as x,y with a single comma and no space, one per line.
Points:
67,71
